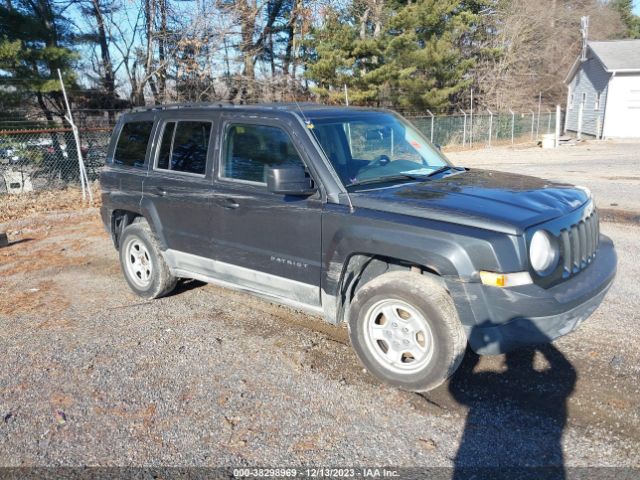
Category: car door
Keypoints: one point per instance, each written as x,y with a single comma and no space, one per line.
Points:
178,191
265,241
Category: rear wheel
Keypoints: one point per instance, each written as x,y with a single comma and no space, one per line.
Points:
142,263
405,329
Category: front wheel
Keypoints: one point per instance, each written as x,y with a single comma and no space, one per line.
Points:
405,330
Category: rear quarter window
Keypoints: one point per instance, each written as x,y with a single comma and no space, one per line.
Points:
132,144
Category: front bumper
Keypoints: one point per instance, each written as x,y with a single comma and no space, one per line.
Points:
498,320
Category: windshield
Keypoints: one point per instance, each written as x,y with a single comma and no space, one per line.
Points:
371,147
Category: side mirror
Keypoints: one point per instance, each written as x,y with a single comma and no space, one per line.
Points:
289,180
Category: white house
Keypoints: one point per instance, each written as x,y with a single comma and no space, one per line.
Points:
603,98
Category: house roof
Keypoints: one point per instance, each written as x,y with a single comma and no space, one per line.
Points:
614,55
618,55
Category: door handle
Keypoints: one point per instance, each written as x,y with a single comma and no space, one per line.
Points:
229,203
161,191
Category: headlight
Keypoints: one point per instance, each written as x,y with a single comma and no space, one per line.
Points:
543,252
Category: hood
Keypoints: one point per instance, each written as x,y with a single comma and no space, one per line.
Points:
487,199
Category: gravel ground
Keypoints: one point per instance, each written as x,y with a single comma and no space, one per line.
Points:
93,375
611,169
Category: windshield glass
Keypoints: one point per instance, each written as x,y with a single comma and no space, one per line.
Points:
371,147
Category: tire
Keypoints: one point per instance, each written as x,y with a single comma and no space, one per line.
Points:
142,263
414,318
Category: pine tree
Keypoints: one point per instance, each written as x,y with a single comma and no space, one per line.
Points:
330,59
34,42
631,21
427,60
33,38
410,55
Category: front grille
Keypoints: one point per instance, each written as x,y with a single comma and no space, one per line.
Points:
579,244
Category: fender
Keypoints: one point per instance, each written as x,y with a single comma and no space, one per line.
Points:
149,211
449,251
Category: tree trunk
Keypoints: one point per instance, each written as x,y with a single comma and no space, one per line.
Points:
286,62
248,25
107,65
363,23
162,48
289,61
149,12
247,47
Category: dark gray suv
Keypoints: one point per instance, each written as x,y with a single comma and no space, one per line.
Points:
353,215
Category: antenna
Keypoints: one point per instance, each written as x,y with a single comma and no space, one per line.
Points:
306,120
584,30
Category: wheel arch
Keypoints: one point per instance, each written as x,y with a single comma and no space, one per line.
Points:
119,220
121,217
361,268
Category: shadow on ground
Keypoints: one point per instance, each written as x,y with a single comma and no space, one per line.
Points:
516,417
184,285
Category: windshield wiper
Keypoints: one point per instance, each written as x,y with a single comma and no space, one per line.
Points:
389,178
406,176
442,169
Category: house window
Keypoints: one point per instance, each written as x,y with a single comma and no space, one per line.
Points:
571,98
584,99
597,104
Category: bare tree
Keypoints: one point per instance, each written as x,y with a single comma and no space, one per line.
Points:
534,45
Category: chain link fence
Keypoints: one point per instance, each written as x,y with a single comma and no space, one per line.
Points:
38,156
484,129
47,158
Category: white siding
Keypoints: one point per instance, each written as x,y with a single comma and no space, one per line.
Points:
590,80
623,107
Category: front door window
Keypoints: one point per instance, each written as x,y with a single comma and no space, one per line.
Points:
251,148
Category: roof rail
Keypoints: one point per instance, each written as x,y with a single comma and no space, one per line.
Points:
169,106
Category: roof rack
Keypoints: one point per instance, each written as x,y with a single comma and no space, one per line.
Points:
170,106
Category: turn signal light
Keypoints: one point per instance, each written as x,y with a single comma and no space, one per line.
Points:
503,280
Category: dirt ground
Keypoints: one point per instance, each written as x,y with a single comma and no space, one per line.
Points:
14,207
93,375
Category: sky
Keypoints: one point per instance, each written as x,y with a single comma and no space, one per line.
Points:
80,20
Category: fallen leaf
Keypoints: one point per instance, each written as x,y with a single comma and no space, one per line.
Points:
427,443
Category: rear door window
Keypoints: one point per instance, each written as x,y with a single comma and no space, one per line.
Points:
132,144
184,147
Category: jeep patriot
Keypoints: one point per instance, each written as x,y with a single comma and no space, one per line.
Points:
353,215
